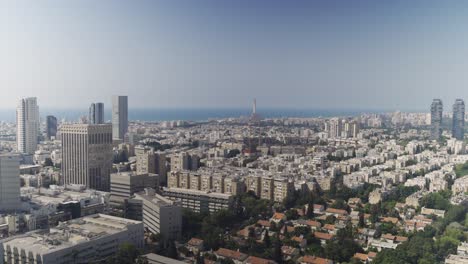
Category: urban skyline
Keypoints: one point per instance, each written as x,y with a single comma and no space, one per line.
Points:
233,132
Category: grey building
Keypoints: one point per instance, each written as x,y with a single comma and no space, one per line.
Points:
119,116
96,113
87,155
9,182
436,118
51,126
125,184
458,124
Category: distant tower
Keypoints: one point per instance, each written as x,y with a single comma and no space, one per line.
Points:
436,119
119,116
51,126
96,113
27,122
458,125
254,108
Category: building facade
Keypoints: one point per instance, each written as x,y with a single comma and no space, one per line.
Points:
28,123
9,182
87,155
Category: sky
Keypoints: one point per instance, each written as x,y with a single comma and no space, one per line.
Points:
322,54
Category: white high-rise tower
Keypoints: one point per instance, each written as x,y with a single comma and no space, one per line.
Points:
27,122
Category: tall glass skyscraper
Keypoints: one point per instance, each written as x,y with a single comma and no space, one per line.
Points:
458,125
436,119
96,113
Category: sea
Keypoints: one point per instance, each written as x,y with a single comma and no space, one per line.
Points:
190,114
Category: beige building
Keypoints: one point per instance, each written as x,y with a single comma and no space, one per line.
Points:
87,155
282,188
148,161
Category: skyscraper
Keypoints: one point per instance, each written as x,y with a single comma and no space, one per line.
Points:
9,182
27,121
458,125
87,155
436,118
119,116
96,113
51,126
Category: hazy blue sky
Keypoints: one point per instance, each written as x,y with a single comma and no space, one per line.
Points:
302,54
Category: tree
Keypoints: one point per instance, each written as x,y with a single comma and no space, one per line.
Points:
277,253
266,239
170,251
310,209
48,162
233,153
127,254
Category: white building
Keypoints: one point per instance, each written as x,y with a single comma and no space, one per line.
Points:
27,121
82,240
160,215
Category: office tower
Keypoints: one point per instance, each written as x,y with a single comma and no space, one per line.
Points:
436,119
458,125
119,116
88,239
51,126
27,121
96,113
87,155
9,182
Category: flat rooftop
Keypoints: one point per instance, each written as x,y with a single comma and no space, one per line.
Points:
69,233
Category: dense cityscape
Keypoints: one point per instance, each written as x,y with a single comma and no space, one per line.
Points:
373,188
